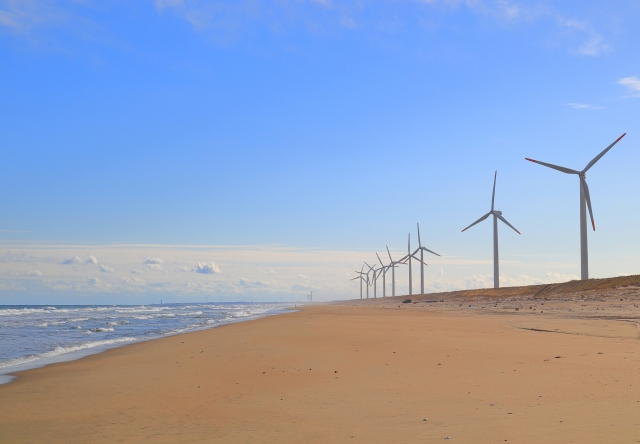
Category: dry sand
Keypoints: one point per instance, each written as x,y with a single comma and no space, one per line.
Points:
366,372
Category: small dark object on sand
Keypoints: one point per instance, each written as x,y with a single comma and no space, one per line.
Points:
406,301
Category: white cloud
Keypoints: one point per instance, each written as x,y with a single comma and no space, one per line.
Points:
207,268
136,271
91,260
257,283
153,260
33,273
584,106
632,84
106,269
183,268
75,260
94,281
595,46
157,267
133,280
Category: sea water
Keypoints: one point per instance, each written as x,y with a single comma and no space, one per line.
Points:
33,336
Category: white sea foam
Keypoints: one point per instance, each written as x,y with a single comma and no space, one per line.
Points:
58,351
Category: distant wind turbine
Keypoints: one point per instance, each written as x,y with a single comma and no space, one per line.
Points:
375,279
497,214
385,268
408,258
584,199
393,266
360,274
422,264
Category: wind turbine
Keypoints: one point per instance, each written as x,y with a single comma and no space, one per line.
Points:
497,214
393,273
422,264
385,268
360,273
408,258
584,199
375,279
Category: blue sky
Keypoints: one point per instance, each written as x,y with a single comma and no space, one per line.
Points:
316,126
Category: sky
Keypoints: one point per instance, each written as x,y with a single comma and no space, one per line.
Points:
257,150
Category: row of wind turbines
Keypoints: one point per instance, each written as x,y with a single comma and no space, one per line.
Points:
585,203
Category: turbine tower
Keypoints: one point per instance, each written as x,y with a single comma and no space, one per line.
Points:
584,199
497,214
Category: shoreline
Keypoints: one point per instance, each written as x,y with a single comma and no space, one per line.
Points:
11,372
327,373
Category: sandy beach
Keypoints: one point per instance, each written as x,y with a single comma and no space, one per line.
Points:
372,371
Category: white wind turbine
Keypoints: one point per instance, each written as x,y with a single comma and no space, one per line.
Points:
393,266
385,268
408,258
497,214
376,275
584,199
360,274
422,264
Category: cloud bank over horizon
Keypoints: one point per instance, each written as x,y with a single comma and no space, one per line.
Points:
33,273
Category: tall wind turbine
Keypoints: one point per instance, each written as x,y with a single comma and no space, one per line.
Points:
497,214
422,264
584,199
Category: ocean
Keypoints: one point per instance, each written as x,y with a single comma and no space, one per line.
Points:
33,336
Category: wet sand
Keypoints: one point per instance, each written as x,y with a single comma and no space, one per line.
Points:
369,371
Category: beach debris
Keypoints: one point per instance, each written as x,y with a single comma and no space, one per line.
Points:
336,371
406,301
448,437
426,419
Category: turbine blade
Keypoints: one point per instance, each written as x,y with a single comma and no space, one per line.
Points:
555,167
409,243
357,277
432,252
493,196
505,221
380,260
587,197
478,221
418,259
370,267
389,253
419,243
595,159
